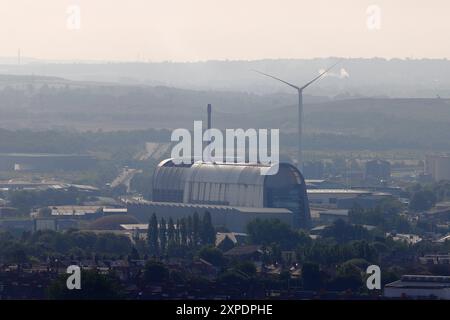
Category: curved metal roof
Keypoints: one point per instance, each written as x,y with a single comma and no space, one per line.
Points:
214,183
226,173
173,177
169,176
229,184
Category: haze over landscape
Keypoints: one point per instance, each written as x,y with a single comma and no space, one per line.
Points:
176,55
353,202
366,98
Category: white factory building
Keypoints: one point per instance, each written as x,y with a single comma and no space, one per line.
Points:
233,193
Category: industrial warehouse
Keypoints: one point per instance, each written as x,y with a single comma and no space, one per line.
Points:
234,194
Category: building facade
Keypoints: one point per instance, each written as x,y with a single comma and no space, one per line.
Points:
231,192
419,287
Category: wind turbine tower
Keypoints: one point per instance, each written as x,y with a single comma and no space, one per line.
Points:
300,109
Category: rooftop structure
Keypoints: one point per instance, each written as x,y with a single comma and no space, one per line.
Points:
419,286
435,259
345,198
74,210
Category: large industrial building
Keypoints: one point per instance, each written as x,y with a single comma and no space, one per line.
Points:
233,193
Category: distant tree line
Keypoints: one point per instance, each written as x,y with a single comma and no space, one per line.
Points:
58,141
424,197
41,245
25,200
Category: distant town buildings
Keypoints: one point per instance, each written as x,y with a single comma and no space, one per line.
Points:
438,166
406,238
378,169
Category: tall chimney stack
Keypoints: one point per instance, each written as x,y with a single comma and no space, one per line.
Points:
208,126
209,115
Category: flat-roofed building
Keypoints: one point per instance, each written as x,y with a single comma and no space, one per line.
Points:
107,211
345,198
74,210
331,215
435,259
419,287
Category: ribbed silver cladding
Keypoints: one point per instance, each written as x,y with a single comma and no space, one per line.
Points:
208,183
237,185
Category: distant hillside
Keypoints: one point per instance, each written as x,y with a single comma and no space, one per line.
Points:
55,103
424,78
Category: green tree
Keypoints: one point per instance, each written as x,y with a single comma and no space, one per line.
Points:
343,232
348,277
311,276
422,200
269,231
170,231
94,286
152,236
208,233
226,244
163,236
196,229
212,255
189,231
155,271
247,267
183,232
233,279
177,235
134,254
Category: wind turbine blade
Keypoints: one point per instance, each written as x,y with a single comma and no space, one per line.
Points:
319,76
270,76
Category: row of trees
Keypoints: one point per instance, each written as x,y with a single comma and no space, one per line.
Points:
76,244
387,216
192,232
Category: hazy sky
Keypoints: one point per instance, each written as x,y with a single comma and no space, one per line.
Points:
191,30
